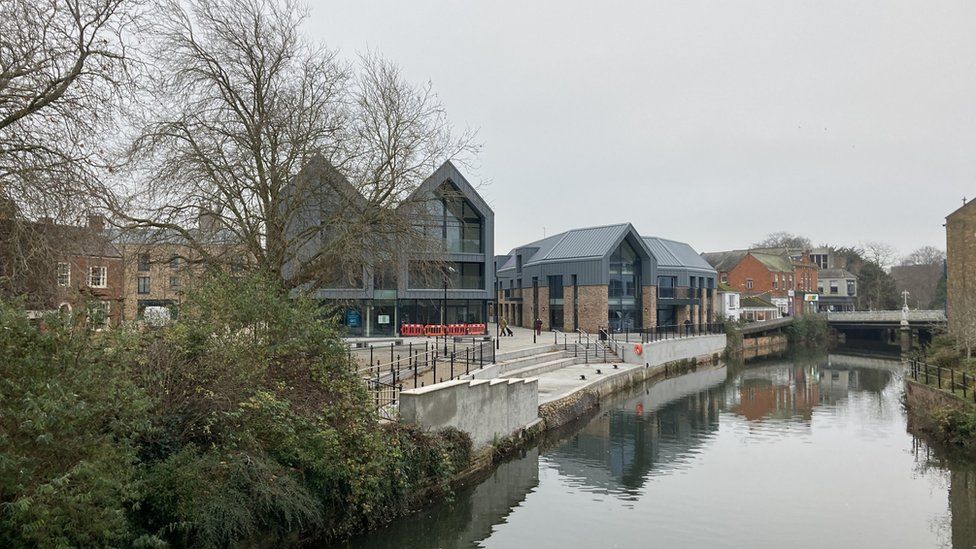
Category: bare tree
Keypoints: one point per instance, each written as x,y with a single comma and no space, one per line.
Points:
880,253
65,66
783,239
926,255
962,323
65,71
247,103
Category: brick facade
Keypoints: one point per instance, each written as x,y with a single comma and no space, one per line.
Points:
961,263
649,306
593,306
568,303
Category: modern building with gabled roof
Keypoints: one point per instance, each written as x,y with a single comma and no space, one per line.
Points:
377,301
592,278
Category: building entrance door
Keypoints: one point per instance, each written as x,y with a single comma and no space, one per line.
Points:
383,318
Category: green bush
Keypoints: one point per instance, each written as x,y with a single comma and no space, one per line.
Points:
68,414
808,331
241,423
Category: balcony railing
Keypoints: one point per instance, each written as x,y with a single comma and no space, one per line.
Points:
678,293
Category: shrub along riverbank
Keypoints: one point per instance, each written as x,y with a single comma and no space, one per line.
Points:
238,424
947,420
808,332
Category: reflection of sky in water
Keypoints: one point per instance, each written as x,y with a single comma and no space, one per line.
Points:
817,456
781,454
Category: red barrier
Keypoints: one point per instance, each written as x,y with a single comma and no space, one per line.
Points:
477,329
412,330
434,330
457,330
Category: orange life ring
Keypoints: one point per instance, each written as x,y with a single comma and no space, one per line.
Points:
639,349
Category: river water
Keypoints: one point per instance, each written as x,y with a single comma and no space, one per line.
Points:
809,452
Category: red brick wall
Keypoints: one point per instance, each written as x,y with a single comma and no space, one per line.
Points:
79,291
762,278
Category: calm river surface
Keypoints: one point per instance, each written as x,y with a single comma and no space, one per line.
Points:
787,453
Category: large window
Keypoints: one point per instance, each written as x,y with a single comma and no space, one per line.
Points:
98,277
143,262
455,221
665,286
142,285
428,311
624,290
556,302
460,275
64,274
851,287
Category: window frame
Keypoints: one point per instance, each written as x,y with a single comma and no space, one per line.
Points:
103,276
66,274
143,290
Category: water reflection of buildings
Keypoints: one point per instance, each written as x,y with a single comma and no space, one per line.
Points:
659,427
785,391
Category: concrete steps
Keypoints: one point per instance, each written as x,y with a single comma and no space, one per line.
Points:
550,366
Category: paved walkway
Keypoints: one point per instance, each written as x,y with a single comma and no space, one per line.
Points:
565,381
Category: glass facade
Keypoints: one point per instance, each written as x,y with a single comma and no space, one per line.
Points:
556,302
624,292
428,311
466,275
456,222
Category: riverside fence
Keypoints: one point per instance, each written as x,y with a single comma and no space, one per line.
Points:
958,382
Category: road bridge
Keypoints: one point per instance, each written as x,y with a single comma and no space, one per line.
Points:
905,329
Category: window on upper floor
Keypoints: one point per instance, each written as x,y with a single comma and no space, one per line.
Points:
724,278
143,262
142,285
851,287
833,286
174,262
64,273
748,283
462,228
174,283
98,276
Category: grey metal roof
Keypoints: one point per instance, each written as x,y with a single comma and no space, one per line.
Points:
578,243
584,243
674,254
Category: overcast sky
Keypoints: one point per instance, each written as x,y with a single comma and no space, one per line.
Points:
713,122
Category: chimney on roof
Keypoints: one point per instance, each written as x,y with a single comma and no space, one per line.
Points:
96,222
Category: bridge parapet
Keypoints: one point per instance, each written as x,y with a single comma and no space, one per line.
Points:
887,317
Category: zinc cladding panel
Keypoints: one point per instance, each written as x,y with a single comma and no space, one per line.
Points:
584,243
588,272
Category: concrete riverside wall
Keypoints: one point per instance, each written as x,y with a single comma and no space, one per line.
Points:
670,350
485,409
929,399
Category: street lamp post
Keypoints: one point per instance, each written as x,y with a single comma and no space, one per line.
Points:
447,270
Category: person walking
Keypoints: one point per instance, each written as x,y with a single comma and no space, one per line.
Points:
503,326
538,326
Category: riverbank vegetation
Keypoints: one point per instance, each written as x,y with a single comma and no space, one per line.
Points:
240,423
808,332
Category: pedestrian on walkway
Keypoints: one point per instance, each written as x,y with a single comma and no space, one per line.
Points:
503,326
538,326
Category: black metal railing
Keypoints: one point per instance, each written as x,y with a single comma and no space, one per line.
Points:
414,365
957,382
660,333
